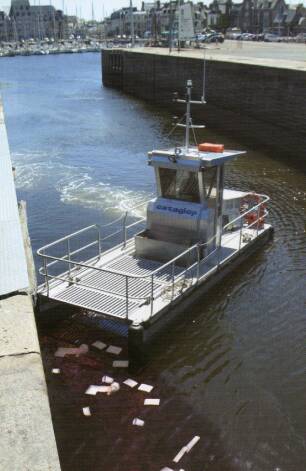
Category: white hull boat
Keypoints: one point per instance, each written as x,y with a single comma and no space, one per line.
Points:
151,268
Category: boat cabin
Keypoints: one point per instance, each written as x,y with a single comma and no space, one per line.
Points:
188,207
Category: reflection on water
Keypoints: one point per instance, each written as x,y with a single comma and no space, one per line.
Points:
233,370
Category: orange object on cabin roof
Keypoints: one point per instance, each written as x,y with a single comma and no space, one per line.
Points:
208,147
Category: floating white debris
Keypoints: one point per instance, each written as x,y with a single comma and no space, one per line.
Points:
180,455
167,469
99,345
62,351
138,422
145,388
86,411
130,382
121,364
192,443
114,350
93,390
107,380
56,371
151,402
114,387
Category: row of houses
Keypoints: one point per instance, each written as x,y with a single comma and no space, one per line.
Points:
24,21
253,16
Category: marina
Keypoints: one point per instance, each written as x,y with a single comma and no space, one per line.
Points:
44,48
223,372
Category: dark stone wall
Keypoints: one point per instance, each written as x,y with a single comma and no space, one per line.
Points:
263,107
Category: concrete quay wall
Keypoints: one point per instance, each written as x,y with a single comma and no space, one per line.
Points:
259,106
27,437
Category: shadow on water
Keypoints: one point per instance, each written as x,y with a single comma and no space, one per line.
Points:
107,439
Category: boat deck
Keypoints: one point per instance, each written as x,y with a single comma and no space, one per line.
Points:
120,285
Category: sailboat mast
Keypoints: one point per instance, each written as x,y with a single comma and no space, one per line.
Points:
92,11
132,23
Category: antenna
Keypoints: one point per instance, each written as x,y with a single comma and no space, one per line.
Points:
189,125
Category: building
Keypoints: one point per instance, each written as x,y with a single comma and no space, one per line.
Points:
157,20
35,21
4,26
200,17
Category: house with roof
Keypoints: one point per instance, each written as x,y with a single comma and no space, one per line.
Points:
261,16
295,20
5,25
219,14
36,21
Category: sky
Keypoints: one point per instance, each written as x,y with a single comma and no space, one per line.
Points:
83,6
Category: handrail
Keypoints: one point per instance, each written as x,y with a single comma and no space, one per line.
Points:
159,269
96,226
63,239
191,272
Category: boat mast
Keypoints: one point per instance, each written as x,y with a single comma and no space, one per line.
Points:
188,124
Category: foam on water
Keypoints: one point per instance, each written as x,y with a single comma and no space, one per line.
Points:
75,185
85,191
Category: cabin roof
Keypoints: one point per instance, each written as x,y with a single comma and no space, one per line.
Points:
193,157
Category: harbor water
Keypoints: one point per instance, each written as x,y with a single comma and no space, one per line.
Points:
232,370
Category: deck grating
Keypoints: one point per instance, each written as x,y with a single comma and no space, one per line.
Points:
116,284
100,302
142,267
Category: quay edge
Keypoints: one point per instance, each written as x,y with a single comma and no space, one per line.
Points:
27,435
257,105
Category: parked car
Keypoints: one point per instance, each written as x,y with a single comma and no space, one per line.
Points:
247,36
214,38
300,38
271,37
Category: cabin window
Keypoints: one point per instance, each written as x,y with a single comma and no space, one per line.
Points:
179,185
210,183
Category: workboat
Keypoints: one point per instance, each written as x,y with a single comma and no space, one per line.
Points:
145,269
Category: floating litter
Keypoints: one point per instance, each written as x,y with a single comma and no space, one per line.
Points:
56,371
114,387
86,411
114,350
107,380
99,345
62,351
192,443
151,402
167,469
138,422
130,382
93,390
145,388
180,455
121,364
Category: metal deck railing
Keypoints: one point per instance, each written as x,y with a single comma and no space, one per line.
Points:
123,291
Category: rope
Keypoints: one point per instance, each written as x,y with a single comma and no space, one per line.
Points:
194,134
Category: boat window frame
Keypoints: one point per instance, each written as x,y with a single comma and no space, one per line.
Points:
160,189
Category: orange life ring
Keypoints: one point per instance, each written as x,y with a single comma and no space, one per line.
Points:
249,201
